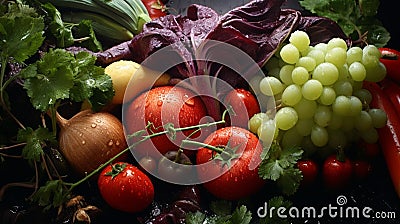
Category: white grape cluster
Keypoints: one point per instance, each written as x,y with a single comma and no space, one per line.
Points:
318,94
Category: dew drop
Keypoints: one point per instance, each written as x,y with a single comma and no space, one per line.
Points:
98,121
236,179
93,125
80,134
110,143
83,142
190,102
159,103
117,143
139,178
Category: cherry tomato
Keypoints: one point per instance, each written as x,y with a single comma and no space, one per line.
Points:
244,105
125,187
232,174
336,173
309,169
156,8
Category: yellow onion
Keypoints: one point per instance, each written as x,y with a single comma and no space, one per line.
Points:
90,139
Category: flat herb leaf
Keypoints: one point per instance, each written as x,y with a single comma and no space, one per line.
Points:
52,194
21,34
49,79
241,215
35,140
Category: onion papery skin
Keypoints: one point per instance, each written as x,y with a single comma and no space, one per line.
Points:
90,139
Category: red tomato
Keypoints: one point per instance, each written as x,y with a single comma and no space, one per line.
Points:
391,59
240,177
160,106
156,8
361,169
244,104
335,173
309,169
125,187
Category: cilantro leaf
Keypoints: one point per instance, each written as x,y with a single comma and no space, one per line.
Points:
35,140
49,79
63,75
195,217
22,35
241,215
52,194
356,18
279,165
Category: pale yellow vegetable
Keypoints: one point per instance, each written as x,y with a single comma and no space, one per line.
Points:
138,77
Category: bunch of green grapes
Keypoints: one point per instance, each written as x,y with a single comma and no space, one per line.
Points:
319,95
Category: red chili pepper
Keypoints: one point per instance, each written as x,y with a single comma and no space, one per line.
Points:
391,59
392,91
389,135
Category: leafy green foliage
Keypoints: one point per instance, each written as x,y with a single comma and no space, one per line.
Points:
52,194
357,18
280,165
21,33
35,141
61,75
240,215
67,34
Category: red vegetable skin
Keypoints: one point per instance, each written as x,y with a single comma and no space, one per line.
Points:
160,106
130,190
244,105
392,91
336,173
156,8
389,136
391,59
240,180
309,169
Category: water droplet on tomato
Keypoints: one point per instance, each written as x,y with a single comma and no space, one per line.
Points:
190,102
159,103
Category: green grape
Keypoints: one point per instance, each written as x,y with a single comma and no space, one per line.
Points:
357,85
356,106
378,116
318,55
328,96
322,46
306,51
270,86
256,120
305,108
300,75
364,95
286,118
319,136
291,138
312,89
255,84
337,138
375,73
372,50
357,71
326,73
370,136
323,115
354,54
336,56
342,106
290,54
285,74
291,95
300,40
344,74
307,62
336,42
304,126
343,88
267,132
363,122
336,121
